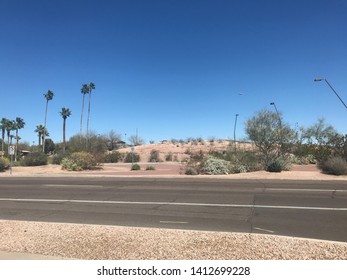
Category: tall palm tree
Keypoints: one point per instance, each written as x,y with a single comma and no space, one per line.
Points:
91,87
3,131
84,91
65,113
48,96
39,130
19,124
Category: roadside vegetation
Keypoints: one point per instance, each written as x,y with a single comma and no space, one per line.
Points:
274,146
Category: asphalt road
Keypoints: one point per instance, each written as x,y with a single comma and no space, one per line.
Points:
312,209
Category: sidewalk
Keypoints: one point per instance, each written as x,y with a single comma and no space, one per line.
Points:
26,256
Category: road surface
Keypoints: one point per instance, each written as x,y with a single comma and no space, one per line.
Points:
311,209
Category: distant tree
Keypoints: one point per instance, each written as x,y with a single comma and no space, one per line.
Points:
9,125
48,96
84,91
113,138
40,130
19,124
65,113
136,140
268,134
49,146
3,131
319,133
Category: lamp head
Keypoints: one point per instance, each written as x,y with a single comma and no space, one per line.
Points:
318,79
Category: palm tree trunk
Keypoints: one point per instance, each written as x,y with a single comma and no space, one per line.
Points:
15,158
44,134
64,142
87,135
39,139
81,118
3,140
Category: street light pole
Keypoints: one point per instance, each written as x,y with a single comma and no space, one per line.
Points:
235,130
323,79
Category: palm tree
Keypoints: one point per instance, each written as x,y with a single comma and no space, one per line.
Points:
84,91
10,125
91,87
19,124
65,113
3,131
39,130
48,96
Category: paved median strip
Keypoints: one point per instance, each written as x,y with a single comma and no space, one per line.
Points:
172,204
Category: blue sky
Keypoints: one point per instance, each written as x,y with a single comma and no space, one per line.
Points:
172,69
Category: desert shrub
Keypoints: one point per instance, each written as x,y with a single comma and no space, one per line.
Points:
79,161
4,164
56,159
154,156
334,165
132,157
278,164
169,157
237,168
191,171
113,157
151,167
135,167
215,166
35,159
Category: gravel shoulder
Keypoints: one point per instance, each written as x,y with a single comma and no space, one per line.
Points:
93,242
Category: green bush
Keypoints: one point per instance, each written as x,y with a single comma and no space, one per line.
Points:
79,161
35,159
113,157
334,165
278,164
150,167
4,164
215,166
238,168
132,157
135,167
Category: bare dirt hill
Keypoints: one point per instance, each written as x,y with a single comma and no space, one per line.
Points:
179,151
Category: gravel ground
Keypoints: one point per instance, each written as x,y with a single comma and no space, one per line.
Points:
92,242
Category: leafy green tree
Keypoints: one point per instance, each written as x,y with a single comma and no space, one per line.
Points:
319,133
269,135
65,113
48,96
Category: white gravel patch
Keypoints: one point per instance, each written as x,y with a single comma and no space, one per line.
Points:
94,242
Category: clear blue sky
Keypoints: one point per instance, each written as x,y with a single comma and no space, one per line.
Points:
172,69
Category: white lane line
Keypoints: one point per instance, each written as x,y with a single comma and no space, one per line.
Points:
174,204
173,222
266,230
304,190
73,186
